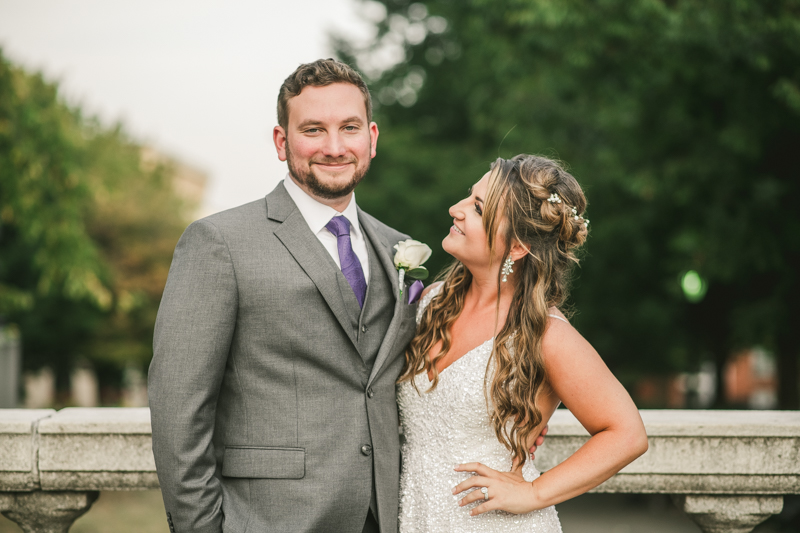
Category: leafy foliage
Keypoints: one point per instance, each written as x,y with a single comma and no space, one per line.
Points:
86,231
680,119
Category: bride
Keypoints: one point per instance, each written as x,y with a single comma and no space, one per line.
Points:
492,359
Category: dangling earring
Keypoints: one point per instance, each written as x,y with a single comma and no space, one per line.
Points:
507,268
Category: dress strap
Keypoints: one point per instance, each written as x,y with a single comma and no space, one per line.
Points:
426,300
558,317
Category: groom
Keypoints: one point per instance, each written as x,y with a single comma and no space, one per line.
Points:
280,336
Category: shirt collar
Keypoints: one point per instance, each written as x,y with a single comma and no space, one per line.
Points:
317,214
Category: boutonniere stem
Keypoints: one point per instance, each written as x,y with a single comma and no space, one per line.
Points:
408,261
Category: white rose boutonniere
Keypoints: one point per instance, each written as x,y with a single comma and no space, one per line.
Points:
408,260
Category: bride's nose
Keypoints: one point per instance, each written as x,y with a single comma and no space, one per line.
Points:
456,211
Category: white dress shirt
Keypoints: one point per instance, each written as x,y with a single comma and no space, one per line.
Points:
317,215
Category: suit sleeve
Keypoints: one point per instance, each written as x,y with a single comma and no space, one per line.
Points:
192,338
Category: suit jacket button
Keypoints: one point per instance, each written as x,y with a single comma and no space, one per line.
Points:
363,329
366,450
370,394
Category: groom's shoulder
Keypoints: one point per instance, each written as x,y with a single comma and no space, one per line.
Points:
391,234
238,218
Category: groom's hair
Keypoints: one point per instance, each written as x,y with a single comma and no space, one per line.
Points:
319,74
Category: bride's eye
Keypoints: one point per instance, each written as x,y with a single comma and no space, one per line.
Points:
478,208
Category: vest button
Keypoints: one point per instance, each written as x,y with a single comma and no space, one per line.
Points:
363,329
370,394
366,450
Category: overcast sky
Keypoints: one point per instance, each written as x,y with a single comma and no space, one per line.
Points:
198,79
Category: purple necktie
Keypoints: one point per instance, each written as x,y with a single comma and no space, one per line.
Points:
351,266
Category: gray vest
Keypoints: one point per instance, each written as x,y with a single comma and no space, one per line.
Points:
371,322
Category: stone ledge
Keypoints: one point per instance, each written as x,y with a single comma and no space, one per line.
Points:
97,449
729,514
728,470
691,452
693,455
697,452
19,445
700,484
697,423
71,452
99,480
98,420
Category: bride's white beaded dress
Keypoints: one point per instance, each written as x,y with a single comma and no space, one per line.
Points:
450,426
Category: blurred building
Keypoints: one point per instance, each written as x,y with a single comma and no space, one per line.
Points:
751,380
696,390
84,388
40,388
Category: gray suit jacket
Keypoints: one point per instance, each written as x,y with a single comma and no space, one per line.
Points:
265,417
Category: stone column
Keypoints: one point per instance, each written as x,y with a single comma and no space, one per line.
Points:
728,514
45,512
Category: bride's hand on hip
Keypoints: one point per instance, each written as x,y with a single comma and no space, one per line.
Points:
506,491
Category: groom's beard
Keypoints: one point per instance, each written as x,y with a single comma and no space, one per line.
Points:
325,190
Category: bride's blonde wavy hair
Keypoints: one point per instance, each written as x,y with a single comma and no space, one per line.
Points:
519,206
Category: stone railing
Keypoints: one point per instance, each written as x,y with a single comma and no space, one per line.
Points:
728,470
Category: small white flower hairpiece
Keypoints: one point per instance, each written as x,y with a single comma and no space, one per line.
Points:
555,199
579,218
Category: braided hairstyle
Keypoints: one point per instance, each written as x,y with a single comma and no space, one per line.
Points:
534,201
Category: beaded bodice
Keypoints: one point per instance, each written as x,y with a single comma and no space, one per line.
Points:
445,427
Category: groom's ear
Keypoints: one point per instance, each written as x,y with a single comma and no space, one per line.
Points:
279,138
373,139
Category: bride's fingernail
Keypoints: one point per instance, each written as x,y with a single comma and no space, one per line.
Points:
454,490
456,467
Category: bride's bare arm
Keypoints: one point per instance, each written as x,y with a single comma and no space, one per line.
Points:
547,403
584,384
601,404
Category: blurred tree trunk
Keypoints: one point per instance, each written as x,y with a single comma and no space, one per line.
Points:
788,359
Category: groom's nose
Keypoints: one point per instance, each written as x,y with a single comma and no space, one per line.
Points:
334,145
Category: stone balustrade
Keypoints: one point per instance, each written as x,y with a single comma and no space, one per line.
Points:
728,470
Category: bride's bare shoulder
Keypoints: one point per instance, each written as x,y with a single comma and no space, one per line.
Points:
560,335
554,312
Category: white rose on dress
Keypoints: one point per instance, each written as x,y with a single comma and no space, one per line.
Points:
410,254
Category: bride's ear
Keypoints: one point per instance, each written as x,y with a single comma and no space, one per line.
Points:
518,250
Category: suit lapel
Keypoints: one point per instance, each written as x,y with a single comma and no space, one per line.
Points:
385,253
383,248
309,254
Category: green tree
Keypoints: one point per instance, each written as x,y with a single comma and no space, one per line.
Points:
50,271
135,221
680,119
86,231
